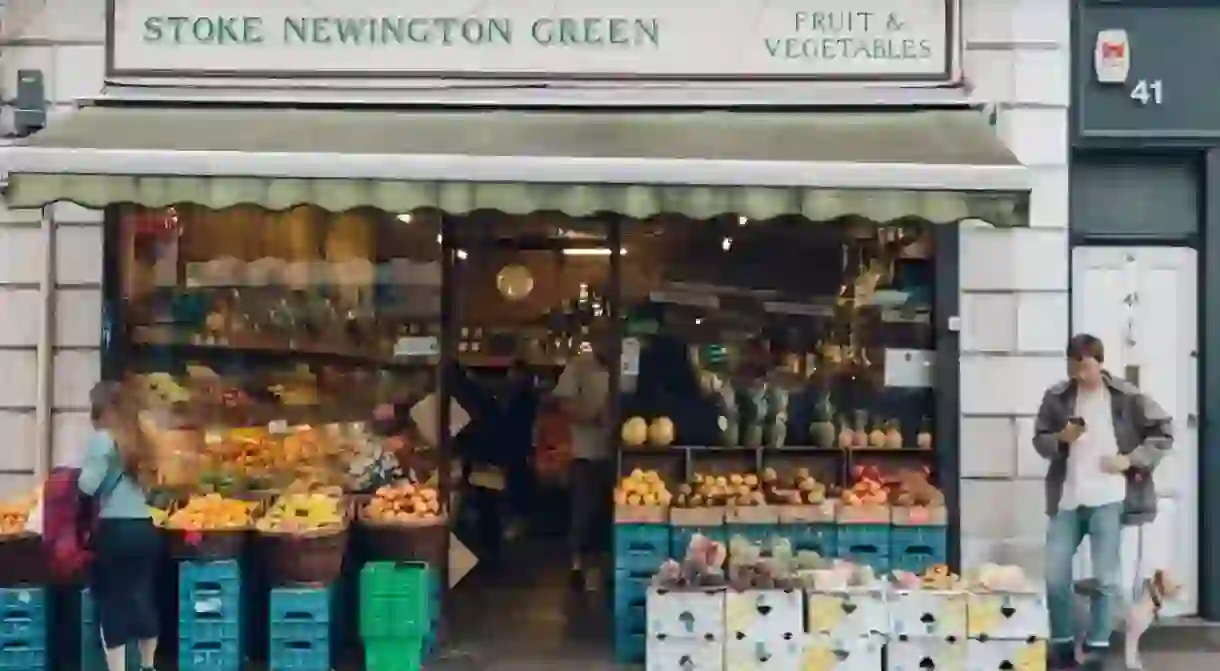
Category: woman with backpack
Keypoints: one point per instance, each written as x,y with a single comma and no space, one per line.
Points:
125,544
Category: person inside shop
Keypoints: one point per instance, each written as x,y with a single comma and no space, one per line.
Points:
125,544
1103,439
480,446
520,410
583,391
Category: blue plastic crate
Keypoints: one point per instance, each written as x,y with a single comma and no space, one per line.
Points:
23,656
629,648
23,614
92,656
209,574
631,588
679,538
26,602
209,592
820,538
866,544
209,656
301,615
640,547
916,548
299,656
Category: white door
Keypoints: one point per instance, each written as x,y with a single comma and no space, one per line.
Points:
1142,303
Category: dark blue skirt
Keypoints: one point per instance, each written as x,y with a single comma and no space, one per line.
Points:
122,579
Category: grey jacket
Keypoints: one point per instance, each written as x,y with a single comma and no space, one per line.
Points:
1142,428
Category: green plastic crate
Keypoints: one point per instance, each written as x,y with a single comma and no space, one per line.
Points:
397,601
401,655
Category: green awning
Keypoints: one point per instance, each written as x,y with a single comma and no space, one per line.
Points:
941,166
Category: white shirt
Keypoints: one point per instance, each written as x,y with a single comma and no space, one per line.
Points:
586,383
1087,484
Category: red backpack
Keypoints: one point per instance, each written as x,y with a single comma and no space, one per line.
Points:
68,520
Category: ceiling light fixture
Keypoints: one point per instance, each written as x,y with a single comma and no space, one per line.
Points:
592,251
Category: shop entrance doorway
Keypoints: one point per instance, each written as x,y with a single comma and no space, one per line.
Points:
1142,303
529,299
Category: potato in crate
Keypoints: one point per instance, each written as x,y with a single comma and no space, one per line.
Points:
764,615
1004,603
996,654
924,653
1016,616
847,612
678,654
765,654
690,613
927,612
823,652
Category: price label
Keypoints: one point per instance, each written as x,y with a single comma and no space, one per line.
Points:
277,426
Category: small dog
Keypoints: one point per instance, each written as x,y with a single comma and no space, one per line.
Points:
1144,611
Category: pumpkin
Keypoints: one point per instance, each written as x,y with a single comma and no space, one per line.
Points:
634,432
661,432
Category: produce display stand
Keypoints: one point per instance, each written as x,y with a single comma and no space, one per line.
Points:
823,619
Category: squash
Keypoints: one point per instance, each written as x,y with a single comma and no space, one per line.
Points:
661,432
634,432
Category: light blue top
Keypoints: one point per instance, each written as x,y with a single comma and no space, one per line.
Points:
101,465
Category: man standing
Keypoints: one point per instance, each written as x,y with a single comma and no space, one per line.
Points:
1103,439
584,389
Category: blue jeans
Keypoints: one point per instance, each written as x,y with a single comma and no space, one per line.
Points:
1064,532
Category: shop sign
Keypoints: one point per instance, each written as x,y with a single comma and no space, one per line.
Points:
788,40
1139,76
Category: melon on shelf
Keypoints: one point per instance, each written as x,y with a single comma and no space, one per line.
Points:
634,432
661,432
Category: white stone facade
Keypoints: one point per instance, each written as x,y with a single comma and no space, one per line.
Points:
1014,282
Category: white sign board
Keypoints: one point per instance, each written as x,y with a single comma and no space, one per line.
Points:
785,40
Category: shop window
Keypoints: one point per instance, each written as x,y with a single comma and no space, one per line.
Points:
275,336
783,341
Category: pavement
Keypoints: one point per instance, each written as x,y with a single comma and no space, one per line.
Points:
1174,661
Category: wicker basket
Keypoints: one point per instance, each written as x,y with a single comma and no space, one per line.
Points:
22,560
207,545
303,558
397,541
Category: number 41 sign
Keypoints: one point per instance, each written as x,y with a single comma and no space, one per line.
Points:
1112,64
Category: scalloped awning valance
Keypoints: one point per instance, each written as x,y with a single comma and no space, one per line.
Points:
941,166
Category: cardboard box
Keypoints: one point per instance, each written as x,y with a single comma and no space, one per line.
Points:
768,515
823,513
767,615
849,613
625,514
935,613
920,516
696,517
686,614
823,652
995,654
863,515
764,655
677,654
1018,616
922,654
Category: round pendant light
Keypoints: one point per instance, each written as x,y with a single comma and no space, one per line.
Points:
515,282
